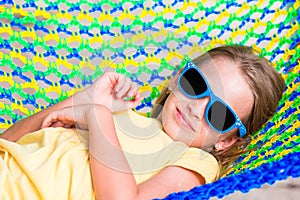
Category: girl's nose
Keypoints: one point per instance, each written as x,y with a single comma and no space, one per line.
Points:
197,107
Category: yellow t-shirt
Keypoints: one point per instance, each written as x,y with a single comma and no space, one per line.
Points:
53,163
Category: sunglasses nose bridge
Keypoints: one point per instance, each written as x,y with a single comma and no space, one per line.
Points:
197,107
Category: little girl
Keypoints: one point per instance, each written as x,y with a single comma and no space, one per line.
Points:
203,119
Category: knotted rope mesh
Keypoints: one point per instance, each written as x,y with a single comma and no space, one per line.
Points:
51,49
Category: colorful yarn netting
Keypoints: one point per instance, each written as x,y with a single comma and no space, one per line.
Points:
51,49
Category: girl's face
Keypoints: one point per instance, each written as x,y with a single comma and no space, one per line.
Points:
184,118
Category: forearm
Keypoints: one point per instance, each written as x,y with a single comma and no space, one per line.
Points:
108,164
33,123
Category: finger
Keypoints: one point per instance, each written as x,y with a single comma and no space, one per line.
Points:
50,119
56,119
138,98
62,124
133,90
122,91
58,124
133,93
120,80
133,104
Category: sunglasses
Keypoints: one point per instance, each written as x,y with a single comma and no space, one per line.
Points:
218,114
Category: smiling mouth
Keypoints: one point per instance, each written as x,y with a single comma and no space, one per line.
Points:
181,118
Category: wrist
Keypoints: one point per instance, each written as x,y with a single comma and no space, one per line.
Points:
88,96
81,98
96,112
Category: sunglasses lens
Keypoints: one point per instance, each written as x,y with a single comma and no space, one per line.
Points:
220,117
192,82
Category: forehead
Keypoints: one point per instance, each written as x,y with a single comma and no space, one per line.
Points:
228,83
221,74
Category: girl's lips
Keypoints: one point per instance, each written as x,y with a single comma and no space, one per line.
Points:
181,118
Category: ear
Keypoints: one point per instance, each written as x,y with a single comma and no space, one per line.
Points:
226,143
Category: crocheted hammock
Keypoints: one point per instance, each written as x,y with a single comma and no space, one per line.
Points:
51,49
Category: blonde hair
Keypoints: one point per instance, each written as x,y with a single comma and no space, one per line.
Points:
266,85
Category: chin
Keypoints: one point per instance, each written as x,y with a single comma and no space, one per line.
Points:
169,130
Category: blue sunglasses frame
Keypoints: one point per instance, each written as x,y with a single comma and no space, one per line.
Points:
213,98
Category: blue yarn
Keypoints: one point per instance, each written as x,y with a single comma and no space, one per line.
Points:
85,30
255,178
5,45
295,40
29,4
7,94
30,100
87,80
63,28
66,81
50,52
41,76
6,2
52,7
74,54
29,48
18,72
286,2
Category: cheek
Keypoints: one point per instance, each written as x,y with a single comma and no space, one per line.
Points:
169,107
202,143
170,127
205,138
165,117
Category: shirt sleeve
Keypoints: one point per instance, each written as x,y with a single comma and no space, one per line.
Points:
200,162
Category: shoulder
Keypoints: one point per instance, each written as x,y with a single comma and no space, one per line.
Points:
183,178
200,162
170,179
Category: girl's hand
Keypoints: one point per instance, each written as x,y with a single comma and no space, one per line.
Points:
67,117
115,91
